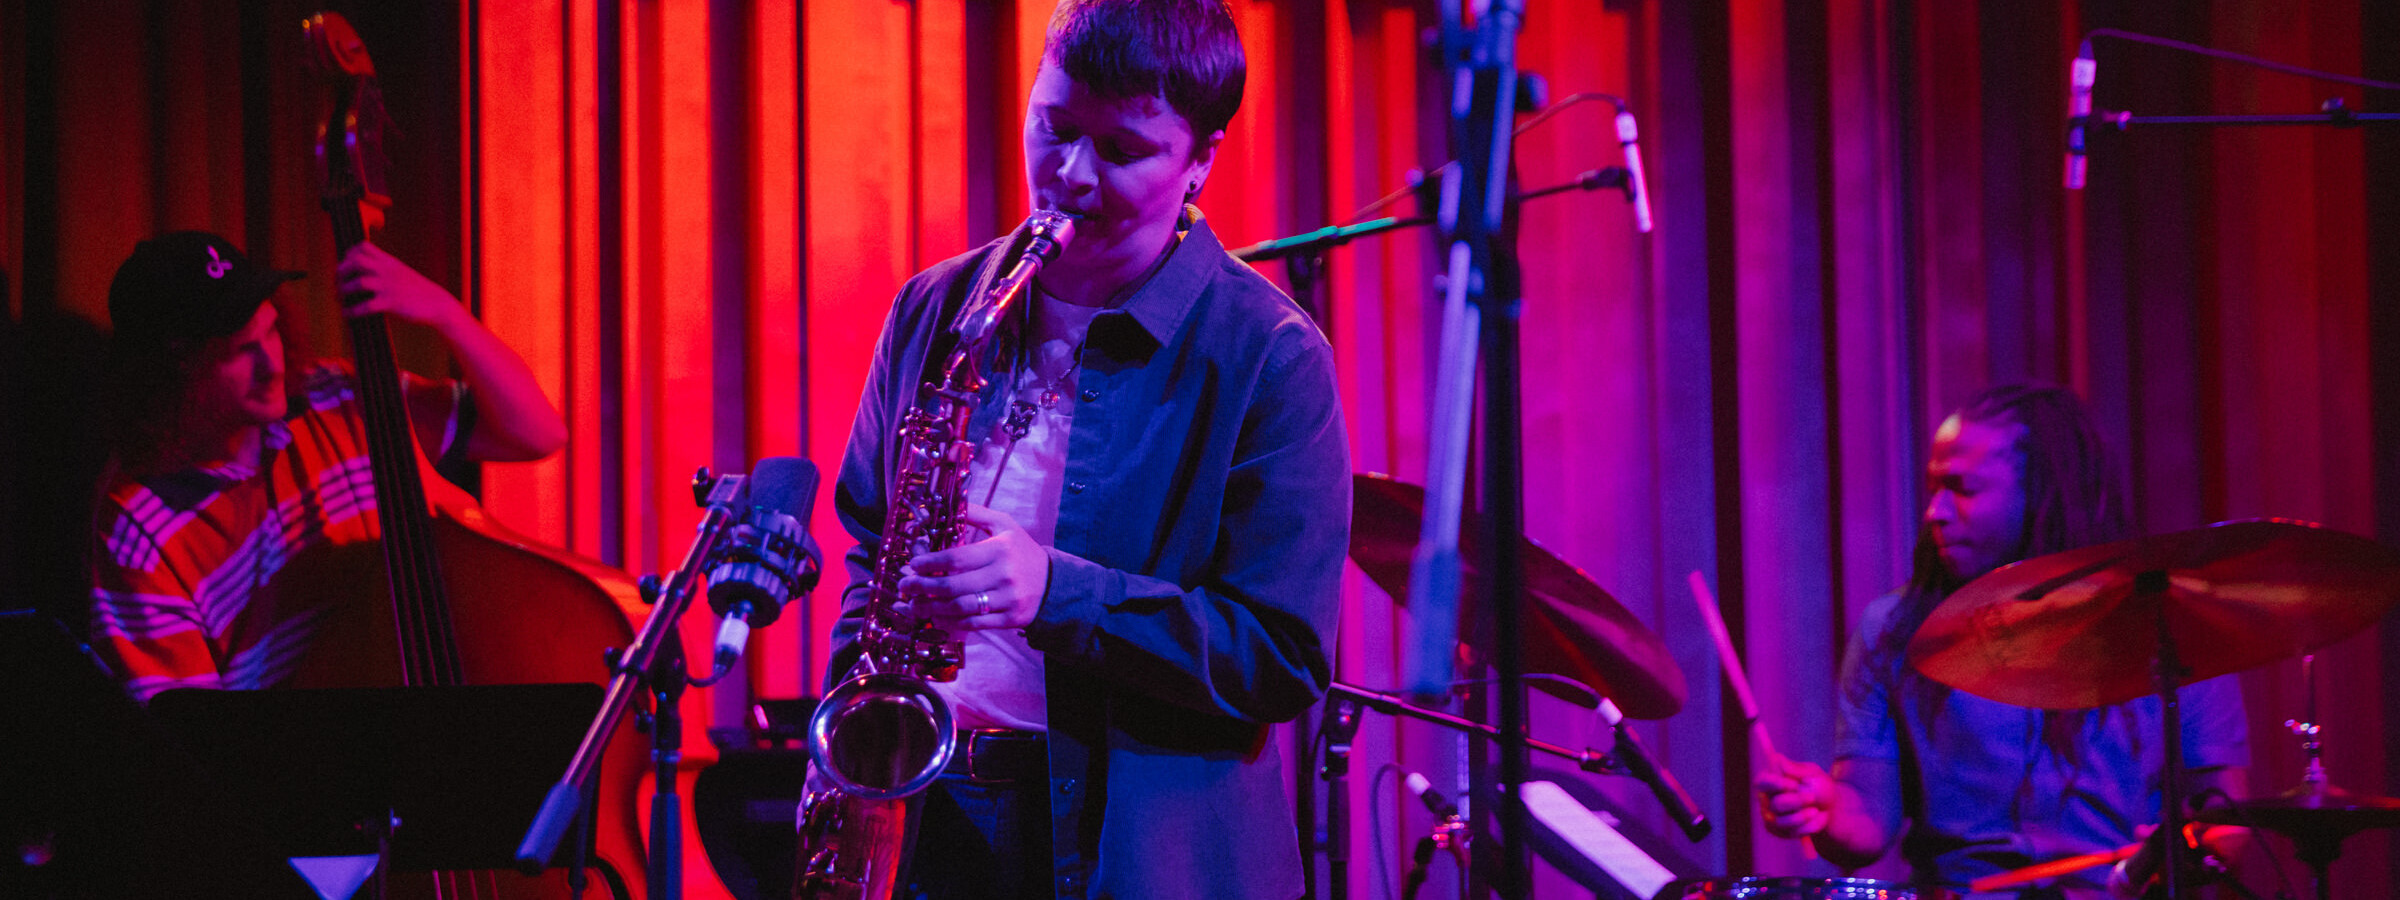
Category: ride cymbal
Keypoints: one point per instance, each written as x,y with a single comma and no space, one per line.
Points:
1575,629
2068,630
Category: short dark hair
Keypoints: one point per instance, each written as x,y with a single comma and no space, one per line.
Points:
1185,50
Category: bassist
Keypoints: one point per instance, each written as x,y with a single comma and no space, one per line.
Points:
223,474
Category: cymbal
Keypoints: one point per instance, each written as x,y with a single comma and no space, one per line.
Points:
1573,629
2066,631
2303,813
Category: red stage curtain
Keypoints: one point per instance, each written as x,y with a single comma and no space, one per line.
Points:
690,217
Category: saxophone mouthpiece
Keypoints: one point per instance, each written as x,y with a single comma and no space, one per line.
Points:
1052,230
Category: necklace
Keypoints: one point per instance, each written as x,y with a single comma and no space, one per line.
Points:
1021,412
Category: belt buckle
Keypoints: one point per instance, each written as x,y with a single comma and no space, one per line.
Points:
979,739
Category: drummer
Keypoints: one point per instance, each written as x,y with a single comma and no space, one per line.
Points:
1985,787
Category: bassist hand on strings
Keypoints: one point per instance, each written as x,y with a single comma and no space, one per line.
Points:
514,419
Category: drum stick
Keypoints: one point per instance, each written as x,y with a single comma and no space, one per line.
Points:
2051,869
2192,836
1740,682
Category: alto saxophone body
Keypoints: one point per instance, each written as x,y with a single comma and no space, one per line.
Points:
883,735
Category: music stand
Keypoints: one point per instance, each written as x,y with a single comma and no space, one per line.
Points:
97,800
461,769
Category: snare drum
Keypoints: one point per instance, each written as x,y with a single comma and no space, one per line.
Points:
1795,888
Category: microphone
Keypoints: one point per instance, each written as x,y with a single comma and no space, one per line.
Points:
1629,752
2080,76
769,559
1433,799
1637,188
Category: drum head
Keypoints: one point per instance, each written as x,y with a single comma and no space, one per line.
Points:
1799,888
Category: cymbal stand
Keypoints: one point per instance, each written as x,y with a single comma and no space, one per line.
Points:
2169,674
2316,847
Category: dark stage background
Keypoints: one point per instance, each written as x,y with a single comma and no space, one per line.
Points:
690,218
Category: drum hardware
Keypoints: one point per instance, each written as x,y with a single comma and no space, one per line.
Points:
2316,816
2072,630
1796,888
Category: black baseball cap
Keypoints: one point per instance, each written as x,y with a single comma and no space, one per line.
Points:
188,284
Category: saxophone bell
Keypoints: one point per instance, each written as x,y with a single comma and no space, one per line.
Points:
884,735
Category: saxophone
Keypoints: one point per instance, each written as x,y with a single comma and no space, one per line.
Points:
883,735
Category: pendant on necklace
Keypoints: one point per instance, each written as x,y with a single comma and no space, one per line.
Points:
1020,419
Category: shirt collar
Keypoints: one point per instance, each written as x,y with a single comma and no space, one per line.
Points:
1161,304
184,488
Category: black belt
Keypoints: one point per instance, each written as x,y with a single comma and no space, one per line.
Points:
1000,756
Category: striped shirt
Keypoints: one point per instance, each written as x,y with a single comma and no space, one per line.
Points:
186,593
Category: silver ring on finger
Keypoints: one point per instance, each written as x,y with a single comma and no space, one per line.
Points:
983,603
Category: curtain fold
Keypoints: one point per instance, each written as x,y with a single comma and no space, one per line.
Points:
690,218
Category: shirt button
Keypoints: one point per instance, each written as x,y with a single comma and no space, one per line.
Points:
1070,886
1090,395
1067,787
1074,487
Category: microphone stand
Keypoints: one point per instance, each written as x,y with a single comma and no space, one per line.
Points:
1477,217
2335,114
1593,761
1303,254
1452,832
1338,729
1304,266
655,657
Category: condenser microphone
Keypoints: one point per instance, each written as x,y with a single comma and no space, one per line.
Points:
2080,77
1630,753
769,559
1434,801
1637,188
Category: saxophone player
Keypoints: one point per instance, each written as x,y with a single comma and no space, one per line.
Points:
1159,503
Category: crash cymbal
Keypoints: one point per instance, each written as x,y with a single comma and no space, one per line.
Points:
1574,629
2304,813
2067,631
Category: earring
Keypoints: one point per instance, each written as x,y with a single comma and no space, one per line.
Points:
1192,191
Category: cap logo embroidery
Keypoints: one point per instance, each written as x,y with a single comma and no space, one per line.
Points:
217,265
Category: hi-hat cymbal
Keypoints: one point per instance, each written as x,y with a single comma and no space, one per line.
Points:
2302,813
1574,629
2067,631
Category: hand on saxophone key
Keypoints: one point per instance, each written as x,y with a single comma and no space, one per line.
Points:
995,582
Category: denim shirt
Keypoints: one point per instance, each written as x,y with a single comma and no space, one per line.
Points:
1194,580
1985,790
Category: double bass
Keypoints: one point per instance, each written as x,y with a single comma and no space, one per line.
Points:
471,601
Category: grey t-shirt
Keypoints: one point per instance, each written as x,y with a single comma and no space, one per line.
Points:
1986,790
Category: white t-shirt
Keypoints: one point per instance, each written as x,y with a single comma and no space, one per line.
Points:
1000,685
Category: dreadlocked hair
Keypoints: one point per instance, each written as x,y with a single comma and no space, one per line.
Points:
2074,497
